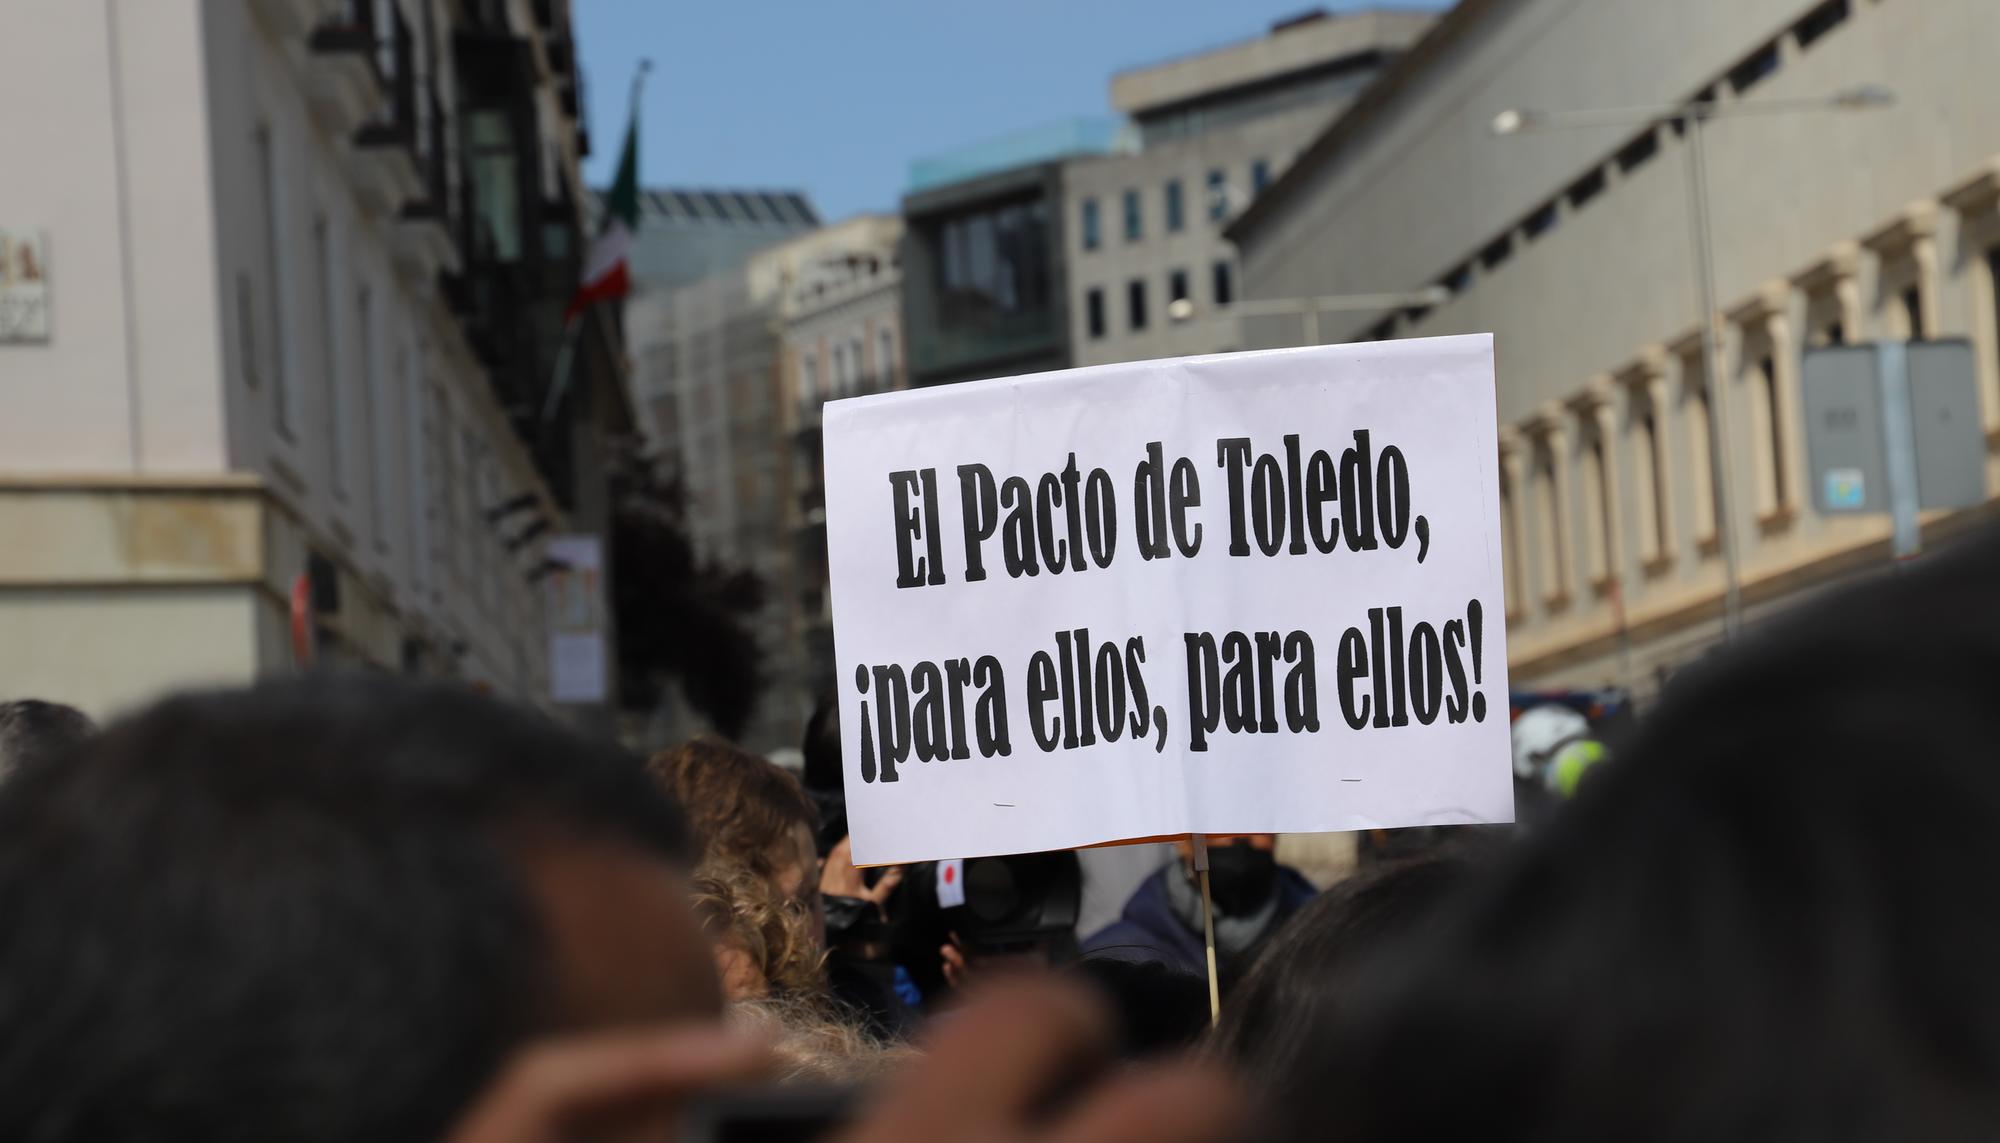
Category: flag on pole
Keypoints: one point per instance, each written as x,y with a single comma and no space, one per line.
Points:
607,271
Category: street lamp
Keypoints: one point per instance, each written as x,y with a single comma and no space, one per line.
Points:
1309,309
1692,117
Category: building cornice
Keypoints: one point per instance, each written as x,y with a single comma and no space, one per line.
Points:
1915,221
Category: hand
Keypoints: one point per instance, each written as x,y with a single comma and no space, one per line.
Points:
839,878
957,966
617,1082
993,1066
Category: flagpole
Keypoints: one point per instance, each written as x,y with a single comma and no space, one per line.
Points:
573,322
565,356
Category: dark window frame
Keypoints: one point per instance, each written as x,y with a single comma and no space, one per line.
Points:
1815,24
1755,68
1639,151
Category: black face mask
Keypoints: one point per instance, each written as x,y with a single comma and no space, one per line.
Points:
1241,878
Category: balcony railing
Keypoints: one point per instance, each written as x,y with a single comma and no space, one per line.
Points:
344,81
394,54
429,215
349,28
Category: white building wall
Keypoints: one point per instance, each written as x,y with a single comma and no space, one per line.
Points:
172,336
108,107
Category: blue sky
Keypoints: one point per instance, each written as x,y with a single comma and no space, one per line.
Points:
837,96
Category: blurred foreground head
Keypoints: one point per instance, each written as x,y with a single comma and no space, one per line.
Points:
1772,919
32,731
323,910
1306,973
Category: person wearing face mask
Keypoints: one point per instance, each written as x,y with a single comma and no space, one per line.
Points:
1252,894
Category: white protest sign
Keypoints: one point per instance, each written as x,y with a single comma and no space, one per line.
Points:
1248,593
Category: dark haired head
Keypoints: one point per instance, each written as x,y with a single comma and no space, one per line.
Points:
310,910
1771,919
33,731
822,746
1159,1008
822,776
1301,978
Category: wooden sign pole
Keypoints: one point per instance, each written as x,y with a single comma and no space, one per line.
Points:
1207,927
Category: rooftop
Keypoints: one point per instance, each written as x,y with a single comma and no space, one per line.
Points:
1303,43
726,207
1046,143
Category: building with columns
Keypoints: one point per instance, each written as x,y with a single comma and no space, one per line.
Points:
303,266
1830,226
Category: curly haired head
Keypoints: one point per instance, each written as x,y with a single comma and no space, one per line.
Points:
744,913
744,810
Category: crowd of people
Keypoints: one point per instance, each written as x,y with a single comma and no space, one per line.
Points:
356,908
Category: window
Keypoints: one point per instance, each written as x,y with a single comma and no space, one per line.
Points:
1655,521
444,453
1092,230
666,369
1540,222
329,344
282,398
1510,538
1754,69
1135,304
464,526
1177,286
1260,175
1176,209
1820,21
1093,309
839,369
1225,291
1701,459
496,187
372,443
995,263
1633,155
855,360
1549,507
1598,498
1913,313
809,376
1218,195
1993,295
1586,188
1134,222
246,331
885,355
1771,435
422,489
